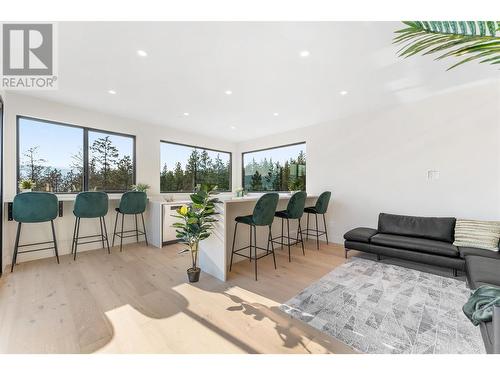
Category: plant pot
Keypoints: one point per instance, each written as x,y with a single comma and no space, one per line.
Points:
26,190
194,274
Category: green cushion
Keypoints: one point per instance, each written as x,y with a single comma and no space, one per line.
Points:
35,207
263,213
248,219
133,202
91,204
322,202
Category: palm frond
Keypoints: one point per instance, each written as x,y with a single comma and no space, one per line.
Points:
472,39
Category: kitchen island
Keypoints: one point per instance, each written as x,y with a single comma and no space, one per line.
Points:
215,251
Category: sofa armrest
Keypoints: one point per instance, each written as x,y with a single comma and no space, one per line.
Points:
360,234
496,329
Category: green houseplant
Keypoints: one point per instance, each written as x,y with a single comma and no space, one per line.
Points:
141,187
196,224
473,40
26,185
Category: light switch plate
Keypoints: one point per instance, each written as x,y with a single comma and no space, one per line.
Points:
432,174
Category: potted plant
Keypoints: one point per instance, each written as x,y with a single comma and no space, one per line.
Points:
240,192
141,187
26,185
195,225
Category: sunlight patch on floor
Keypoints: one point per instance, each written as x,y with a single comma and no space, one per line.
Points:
134,332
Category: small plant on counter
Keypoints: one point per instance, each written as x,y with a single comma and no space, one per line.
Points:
26,185
196,224
240,192
141,187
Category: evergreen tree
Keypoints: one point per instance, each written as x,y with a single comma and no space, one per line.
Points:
104,155
256,183
33,165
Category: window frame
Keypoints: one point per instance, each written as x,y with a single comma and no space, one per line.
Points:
85,145
200,148
266,149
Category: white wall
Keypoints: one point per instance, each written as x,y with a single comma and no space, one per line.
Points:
147,159
378,162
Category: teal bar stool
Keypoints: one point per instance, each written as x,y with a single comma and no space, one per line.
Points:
90,205
294,211
34,207
131,203
319,209
263,215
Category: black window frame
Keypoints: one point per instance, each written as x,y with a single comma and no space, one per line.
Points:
266,149
200,148
85,150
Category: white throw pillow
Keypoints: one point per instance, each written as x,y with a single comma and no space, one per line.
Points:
477,233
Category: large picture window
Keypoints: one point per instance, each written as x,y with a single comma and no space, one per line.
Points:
63,158
275,169
183,167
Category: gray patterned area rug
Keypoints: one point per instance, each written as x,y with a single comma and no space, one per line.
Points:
381,308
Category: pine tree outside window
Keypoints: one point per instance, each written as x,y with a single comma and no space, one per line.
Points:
281,168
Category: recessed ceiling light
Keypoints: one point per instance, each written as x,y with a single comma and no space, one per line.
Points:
228,92
276,114
233,127
304,53
112,92
186,113
142,53
343,92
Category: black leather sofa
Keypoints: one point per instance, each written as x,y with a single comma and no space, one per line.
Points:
486,271
429,240
426,240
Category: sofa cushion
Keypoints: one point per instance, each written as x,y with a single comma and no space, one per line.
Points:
416,244
360,234
482,271
476,233
465,251
433,228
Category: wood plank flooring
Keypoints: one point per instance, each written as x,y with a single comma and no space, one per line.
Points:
139,301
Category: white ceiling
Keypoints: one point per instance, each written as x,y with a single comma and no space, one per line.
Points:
191,64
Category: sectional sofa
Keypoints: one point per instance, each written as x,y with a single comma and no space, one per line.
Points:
429,240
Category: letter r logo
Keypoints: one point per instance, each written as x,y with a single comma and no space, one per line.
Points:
27,49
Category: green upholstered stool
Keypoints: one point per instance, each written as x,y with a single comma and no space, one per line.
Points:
319,209
131,203
90,205
294,211
34,207
263,215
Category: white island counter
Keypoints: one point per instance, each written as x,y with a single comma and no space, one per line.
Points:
215,251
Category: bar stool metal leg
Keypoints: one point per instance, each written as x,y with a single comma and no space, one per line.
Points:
121,237
76,239
74,233
299,231
106,233
114,231
317,232
144,227
250,257
288,239
272,245
136,229
255,249
326,230
16,246
55,241
102,231
307,227
232,250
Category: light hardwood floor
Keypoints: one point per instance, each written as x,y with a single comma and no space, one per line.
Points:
139,301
